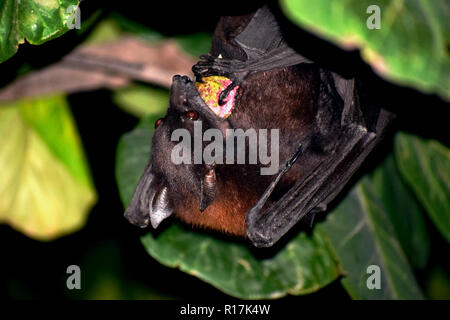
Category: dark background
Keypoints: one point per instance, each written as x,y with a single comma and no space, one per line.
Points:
113,262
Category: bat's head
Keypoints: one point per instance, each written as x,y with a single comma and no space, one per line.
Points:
212,160
194,175
180,179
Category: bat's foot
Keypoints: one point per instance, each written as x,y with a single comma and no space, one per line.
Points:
211,66
259,239
205,67
223,97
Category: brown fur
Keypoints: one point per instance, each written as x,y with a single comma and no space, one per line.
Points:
283,99
226,214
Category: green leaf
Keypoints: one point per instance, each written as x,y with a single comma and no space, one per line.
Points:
142,100
45,187
438,284
115,26
404,212
35,21
411,48
425,165
303,265
118,25
195,44
362,235
133,152
106,31
136,28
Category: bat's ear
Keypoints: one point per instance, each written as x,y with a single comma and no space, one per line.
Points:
138,212
150,203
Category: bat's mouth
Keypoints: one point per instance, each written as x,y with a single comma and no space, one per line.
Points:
151,202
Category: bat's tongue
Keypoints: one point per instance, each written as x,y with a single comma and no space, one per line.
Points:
210,91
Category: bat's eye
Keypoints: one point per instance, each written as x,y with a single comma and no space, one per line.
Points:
191,115
158,122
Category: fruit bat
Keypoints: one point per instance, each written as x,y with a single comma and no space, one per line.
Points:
253,79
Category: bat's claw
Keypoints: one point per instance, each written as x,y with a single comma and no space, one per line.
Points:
200,70
224,94
295,156
209,66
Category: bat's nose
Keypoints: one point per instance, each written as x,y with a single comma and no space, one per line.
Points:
178,78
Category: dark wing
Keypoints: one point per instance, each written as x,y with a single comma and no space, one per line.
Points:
257,46
347,129
348,141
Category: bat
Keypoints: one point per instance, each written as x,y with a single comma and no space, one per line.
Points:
252,79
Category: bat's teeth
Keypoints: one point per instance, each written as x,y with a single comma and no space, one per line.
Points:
161,207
